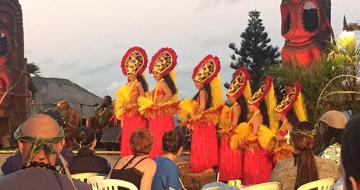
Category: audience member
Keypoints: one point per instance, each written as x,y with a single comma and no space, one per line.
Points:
14,162
304,167
330,128
167,173
86,160
40,139
137,168
350,153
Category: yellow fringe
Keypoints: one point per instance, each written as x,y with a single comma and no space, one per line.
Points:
247,91
123,97
225,120
266,138
216,92
300,108
187,108
144,103
270,101
239,138
174,97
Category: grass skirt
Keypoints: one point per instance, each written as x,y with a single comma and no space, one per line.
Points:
204,147
230,161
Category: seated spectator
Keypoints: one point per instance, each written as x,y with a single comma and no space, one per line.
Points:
167,173
86,160
330,128
350,153
137,168
304,167
14,162
40,139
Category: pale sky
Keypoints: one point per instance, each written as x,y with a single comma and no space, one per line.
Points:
84,40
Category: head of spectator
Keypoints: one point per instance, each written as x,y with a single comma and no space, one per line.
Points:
107,101
141,142
330,128
86,138
172,144
302,137
40,139
350,153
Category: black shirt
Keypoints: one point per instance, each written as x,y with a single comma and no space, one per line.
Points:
86,161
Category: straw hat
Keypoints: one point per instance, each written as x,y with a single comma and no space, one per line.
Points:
334,119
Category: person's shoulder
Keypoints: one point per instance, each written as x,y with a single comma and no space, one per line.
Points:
150,162
283,164
324,161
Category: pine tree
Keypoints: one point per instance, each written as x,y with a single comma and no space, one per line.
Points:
255,54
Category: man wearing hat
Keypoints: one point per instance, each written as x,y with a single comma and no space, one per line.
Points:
330,129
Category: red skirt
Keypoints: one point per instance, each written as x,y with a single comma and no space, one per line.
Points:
158,126
130,123
204,147
230,161
258,165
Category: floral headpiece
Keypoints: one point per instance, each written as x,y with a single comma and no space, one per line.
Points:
134,61
310,134
163,62
206,70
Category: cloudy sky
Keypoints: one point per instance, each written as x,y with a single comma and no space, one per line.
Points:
84,40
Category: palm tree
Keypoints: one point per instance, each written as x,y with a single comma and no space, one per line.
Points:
33,71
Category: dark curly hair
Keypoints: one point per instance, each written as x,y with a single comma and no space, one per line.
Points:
172,141
85,136
350,152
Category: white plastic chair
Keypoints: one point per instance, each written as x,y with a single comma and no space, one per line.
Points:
84,176
94,181
322,184
111,184
265,186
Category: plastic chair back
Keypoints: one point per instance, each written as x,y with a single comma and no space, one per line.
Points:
84,176
94,181
113,184
265,186
322,184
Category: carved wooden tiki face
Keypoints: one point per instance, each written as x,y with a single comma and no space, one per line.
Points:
5,51
302,22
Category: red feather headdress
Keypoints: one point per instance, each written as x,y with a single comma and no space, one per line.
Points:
288,101
163,62
206,70
238,83
261,93
134,61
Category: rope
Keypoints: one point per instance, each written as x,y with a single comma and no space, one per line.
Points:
13,86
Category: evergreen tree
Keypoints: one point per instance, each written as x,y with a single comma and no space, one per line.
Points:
255,52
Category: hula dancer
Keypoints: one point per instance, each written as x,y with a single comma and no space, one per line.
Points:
289,112
133,65
231,158
258,135
159,108
202,114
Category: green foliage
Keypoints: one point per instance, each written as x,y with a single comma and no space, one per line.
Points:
32,70
255,52
340,64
